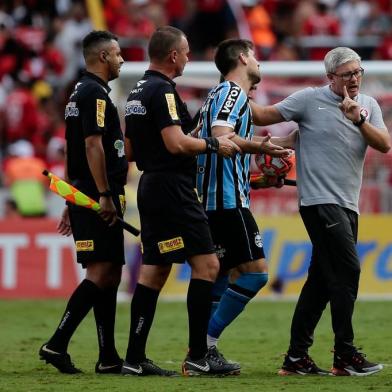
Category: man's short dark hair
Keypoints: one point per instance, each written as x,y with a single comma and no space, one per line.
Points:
93,40
227,53
163,40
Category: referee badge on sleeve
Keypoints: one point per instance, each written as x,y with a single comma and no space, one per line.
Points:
101,106
171,105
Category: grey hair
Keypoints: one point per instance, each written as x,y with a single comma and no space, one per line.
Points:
339,56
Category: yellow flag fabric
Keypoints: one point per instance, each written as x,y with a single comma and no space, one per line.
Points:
70,193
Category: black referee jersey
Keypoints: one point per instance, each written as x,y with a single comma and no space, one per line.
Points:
152,105
90,111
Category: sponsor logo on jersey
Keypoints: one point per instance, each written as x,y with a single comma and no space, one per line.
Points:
171,105
231,98
84,246
170,245
135,107
119,146
101,106
71,110
258,240
364,112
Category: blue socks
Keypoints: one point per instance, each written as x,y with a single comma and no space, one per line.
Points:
233,301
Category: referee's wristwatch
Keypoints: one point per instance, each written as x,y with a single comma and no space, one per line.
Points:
107,193
361,121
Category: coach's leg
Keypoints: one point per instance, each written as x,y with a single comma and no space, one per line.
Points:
152,279
204,271
246,281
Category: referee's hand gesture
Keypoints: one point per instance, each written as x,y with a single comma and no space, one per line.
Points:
107,210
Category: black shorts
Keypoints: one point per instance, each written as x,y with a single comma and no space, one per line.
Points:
95,241
174,225
236,237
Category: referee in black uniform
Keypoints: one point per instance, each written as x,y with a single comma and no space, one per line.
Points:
97,166
174,224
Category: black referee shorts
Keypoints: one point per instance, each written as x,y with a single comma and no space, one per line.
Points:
94,240
174,225
236,237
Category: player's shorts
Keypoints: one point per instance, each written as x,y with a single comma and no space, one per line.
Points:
94,240
174,225
236,237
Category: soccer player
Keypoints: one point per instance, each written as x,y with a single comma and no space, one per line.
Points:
174,226
223,185
336,125
96,164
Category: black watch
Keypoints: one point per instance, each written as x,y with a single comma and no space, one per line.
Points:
107,193
361,121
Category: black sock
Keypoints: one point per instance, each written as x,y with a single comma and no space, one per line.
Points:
143,307
199,308
80,303
105,318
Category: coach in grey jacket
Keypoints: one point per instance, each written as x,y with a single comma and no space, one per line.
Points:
336,125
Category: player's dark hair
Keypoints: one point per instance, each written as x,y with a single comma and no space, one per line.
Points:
162,41
93,40
227,53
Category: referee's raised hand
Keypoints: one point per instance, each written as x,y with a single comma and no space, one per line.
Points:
227,147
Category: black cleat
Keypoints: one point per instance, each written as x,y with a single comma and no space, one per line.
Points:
354,364
213,364
101,368
302,366
61,361
213,352
146,368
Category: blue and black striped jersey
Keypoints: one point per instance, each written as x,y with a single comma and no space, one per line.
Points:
223,183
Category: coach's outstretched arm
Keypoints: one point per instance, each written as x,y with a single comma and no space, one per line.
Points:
265,115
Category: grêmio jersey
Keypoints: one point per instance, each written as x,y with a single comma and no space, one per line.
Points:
223,183
90,111
154,104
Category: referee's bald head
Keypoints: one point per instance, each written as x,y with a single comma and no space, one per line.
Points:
164,40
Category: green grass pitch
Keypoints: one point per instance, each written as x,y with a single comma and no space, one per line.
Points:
257,339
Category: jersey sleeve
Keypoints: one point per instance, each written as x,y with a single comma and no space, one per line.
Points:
294,106
376,118
93,114
164,108
227,106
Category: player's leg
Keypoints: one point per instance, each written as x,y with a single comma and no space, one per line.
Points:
249,279
239,246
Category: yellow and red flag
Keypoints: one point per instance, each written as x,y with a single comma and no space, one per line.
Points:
74,196
70,193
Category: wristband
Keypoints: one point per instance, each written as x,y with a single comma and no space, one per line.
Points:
361,121
107,193
212,144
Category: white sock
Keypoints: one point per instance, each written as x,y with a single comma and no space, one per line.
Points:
212,341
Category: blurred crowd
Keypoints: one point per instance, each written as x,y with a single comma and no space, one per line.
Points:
40,51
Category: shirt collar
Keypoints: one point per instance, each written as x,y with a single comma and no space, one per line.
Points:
150,72
98,79
334,96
